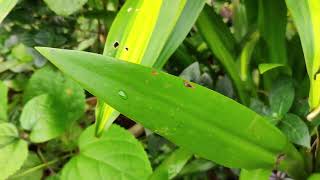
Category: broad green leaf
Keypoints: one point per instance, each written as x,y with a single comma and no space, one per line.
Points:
5,7
265,67
220,41
65,8
53,104
174,108
257,174
314,176
148,41
13,151
115,155
306,18
281,96
272,27
172,165
3,101
32,161
296,130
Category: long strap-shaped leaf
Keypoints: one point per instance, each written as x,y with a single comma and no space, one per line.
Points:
5,7
146,32
221,42
306,17
196,118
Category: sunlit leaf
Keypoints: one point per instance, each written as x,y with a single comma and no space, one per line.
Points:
13,151
169,106
5,7
306,18
147,32
115,155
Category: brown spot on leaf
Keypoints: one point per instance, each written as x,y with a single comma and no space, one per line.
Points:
126,48
188,84
154,72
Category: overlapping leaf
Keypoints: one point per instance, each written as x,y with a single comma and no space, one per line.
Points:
174,109
146,32
306,17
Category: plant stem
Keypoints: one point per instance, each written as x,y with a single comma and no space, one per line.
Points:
40,166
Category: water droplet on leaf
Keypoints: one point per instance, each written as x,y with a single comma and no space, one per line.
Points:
123,95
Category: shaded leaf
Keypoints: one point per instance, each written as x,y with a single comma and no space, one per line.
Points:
295,129
53,104
65,8
281,96
3,101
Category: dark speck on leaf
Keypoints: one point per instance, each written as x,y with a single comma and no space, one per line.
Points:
116,44
187,84
127,49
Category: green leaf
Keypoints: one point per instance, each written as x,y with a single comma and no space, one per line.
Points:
13,151
257,174
65,8
3,101
296,130
148,41
314,176
32,161
5,7
265,67
115,155
306,18
53,104
272,27
169,106
281,96
172,165
222,44
22,53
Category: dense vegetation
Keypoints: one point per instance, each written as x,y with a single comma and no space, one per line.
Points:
161,89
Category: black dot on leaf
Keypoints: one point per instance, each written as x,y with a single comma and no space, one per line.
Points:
127,49
116,44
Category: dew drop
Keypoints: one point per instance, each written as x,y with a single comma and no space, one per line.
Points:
123,95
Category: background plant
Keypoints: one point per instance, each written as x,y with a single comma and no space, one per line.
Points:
250,51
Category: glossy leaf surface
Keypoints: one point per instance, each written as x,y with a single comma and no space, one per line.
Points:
175,111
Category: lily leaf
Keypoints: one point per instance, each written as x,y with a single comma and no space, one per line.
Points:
306,18
174,109
148,41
